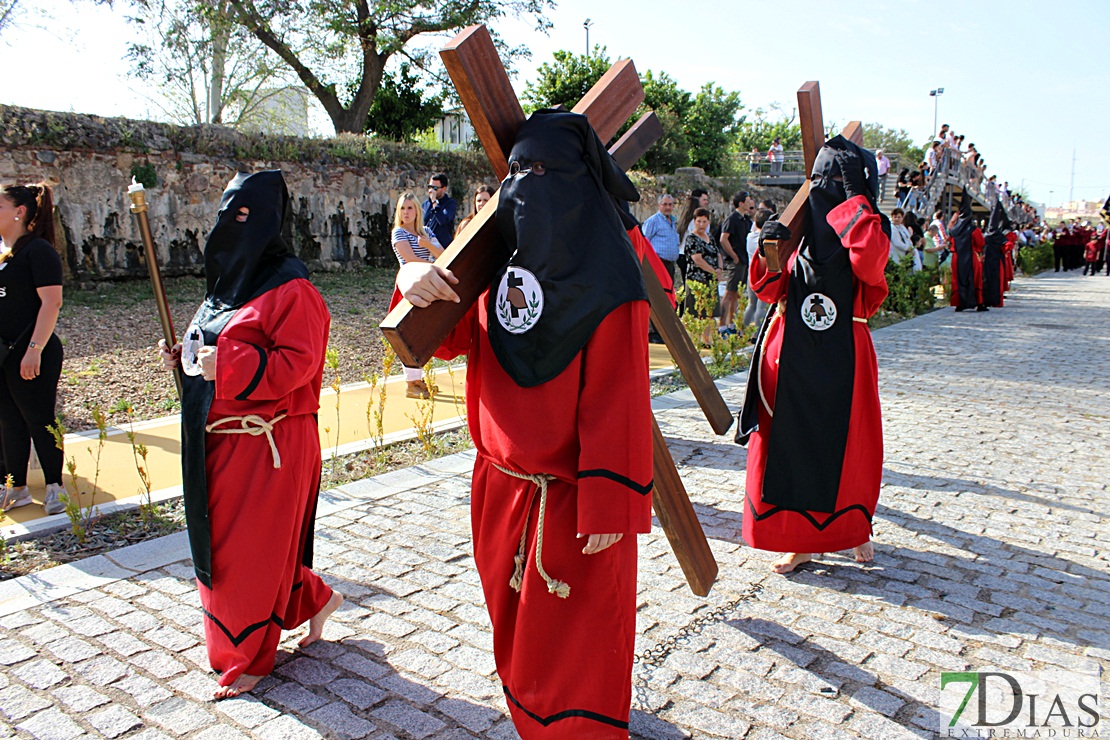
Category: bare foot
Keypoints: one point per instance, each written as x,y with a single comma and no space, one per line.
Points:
316,624
241,685
864,553
790,561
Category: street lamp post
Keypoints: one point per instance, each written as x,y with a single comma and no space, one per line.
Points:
587,25
935,95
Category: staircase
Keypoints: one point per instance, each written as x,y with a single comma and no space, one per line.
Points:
890,202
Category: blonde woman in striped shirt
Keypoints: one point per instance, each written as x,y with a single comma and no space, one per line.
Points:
411,243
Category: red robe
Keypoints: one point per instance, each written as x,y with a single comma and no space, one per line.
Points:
977,243
565,663
849,526
261,517
1092,251
1008,260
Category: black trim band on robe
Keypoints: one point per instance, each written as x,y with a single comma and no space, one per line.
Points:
237,640
263,359
819,526
616,477
565,714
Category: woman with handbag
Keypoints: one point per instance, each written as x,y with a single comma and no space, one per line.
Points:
30,299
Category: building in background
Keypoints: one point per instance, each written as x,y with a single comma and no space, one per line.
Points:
454,131
1083,210
282,111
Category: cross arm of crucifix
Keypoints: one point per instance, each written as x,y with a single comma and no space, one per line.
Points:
796,215
476,254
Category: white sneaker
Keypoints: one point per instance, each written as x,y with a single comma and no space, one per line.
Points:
13,498
54,503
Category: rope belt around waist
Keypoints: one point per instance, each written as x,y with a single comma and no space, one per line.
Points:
251,424
540,480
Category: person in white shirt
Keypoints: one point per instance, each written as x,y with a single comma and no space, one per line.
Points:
883,168
777,157
932,156
900,240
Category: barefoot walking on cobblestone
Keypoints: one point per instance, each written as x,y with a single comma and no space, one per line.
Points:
253,362
813,474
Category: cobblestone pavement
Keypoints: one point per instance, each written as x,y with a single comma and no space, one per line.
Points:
991,551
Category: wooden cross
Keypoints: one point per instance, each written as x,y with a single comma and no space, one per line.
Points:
476,254
796,215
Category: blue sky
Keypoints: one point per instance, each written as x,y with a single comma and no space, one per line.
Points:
1025,81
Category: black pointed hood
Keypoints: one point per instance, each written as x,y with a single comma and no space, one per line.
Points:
573,262
826,193
241,258
998,225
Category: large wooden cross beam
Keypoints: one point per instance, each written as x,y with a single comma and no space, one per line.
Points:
796,215
476,255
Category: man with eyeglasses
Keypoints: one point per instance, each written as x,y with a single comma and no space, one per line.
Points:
439,210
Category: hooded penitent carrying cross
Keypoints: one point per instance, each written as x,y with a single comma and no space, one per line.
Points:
811,412
250,448
564,442
496,115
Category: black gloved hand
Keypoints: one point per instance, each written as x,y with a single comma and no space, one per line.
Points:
774,230
851,169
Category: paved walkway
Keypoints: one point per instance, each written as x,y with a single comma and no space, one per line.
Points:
344,429
991,551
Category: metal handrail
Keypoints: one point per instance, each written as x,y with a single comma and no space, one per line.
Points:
952,170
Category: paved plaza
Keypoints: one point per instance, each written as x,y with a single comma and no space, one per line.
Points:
991,551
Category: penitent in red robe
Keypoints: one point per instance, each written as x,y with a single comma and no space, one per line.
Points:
269,363
565,663
977,244
1008,260
768,527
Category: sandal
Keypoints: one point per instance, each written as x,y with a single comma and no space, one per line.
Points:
13,498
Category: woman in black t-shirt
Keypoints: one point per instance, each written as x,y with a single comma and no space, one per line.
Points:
30,299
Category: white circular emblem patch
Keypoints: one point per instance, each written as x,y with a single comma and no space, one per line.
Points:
190,346
818,311
519,300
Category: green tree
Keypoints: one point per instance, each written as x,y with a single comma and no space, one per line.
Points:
671,104
566,80
400,111
711,126
892,141
330,43
759,130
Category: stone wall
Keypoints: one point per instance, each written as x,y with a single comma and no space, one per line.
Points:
342,189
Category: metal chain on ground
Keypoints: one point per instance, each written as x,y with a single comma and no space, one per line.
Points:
655,656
